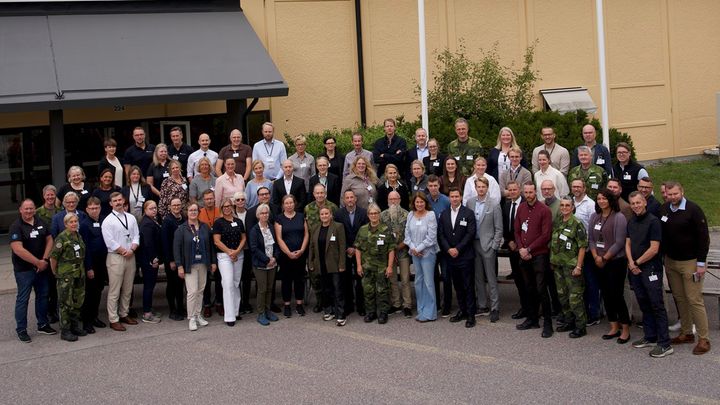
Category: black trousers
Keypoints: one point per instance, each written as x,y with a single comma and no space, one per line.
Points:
292,275
332,289
535,273
612,286
93,289
462,274
351,283
174,290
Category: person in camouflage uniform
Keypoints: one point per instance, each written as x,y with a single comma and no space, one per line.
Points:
67,261
594,176
567,252
312,216
375,256
396,217
464,149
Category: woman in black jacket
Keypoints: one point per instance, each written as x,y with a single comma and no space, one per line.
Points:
265,252
111,161
150,255
194,254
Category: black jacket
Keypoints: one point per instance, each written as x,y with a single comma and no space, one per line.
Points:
460,237
150,243
297,188
333,188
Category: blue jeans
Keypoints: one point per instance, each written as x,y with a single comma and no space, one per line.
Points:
425,287
26,282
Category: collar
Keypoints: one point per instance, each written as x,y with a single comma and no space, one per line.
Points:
290,179
680,207
272,140
585,198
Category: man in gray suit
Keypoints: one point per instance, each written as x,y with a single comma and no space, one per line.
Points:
488,219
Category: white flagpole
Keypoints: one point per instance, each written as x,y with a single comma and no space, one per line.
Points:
605,120
423,65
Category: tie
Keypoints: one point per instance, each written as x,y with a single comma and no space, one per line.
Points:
512,215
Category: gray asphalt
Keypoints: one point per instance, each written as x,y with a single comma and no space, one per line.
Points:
306,360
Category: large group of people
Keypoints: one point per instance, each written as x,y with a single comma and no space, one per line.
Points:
574,226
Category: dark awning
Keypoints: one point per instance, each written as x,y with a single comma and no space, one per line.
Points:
54,62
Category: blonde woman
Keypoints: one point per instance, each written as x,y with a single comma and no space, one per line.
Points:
498,160
362,181
252,186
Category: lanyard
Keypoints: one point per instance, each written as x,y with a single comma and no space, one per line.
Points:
135,195
125,224
269,152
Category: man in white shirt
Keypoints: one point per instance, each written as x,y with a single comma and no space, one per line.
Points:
270,151
122,238
204,151
559,156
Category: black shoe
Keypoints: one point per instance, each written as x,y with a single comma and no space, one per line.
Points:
407,312
231,324
566,327
46,330
527,324
470,323
611,336
445,312
547,331
300,309
578,333
370,317
287,311
275,308
176,316
52,318
317,308
89,329
519,314
98,324
77,331
68,336
382,318
393,310
484,311
459,316
24,337
494,315
622,341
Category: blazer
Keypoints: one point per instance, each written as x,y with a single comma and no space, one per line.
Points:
334,248
332,189
297,188
430,167
104,164
508,226
169,225
183,246
343,216
460,237
257,246
150,243
144,191
489,225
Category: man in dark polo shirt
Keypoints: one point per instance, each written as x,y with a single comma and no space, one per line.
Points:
235,150
177,149
140,154
30,242
533,229
642,246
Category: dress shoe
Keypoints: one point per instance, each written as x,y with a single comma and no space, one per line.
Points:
702,347
578,333
370,317
220,309
519,314
207,312
117,326
68,336
445,312
98,323
382,318
547,331
611,336
527,324
459,316
566,327
89,329
230,323
622,341
494,316
128,320
682,339
470,323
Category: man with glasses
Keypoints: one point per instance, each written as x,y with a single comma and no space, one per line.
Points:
270,151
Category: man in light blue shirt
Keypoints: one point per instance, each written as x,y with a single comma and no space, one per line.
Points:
439,202
270,151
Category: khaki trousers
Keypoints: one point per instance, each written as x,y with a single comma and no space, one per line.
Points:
121,274
688,295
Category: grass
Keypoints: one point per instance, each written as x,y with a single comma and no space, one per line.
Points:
700,179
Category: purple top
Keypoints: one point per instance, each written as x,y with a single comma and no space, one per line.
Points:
610,234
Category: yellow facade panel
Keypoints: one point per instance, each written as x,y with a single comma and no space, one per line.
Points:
694,135
651,142
482,23
636,105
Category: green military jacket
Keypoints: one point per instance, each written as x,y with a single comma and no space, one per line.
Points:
567,240
397,226
375,245
465,153
312,214
46,214
69,251
594,178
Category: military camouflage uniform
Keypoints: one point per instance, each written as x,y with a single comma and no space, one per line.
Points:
567,240
375,245
312,216
465,153
69,251
46,214
402,259
594,178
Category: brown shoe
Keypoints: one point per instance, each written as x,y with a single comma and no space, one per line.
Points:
207,312
128,320
220,310
117,326
681,339
702,347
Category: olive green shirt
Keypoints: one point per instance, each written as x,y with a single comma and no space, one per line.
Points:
69,251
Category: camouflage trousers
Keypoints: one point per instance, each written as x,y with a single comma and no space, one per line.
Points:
570,292
71,295
376,288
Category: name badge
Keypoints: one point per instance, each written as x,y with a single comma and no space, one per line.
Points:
166,174
600,245
380,242
370,200
34,234
562,237
415,188
653,277
598,227
267,159
236,155
567,230
175,157
568,246
369,187
40,227
594,186
524,226
436,163
184,186
84,192
138,204
233,224
332,238
457,157
627,177
600,161
141,199
463,223
664,218
198,257
418,223
96,224
469,157
76,247
303,165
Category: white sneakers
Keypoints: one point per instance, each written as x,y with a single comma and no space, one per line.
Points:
193,324
201,321
197,321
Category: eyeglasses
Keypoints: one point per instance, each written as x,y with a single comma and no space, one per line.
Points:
240,199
